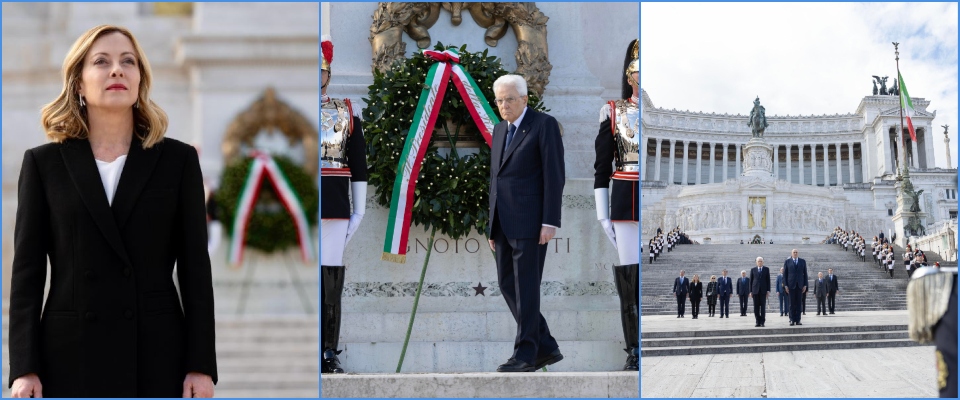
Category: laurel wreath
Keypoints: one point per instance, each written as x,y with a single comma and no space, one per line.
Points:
451,193
271,228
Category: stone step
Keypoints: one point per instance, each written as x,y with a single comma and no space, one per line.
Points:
484,385
772,347
772,338
796,330
471,357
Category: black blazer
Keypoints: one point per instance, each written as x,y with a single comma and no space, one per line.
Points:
743,286
526,179
696,290
833,285
681,287
795,275
112,309
759,281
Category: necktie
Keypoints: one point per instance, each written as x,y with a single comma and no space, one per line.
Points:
511,129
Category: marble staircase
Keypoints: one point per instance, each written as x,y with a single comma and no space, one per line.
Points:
864,286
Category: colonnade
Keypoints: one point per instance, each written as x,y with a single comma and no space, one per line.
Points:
692,163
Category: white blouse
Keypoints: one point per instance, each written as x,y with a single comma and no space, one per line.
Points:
110,175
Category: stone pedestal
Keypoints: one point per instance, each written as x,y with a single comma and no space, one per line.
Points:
758,159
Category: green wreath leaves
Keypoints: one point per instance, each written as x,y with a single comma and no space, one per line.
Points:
451,192
271,228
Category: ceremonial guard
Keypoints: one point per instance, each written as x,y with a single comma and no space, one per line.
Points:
618,144
343,170
932,304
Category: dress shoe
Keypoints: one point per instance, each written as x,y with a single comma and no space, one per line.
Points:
804,313
762,326
831,312
791,323
756,326
633,359
331,364
515,365
549,359
798,323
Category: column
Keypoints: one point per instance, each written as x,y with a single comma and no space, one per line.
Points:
726,167
699,162
673,149
853,177
813,164
916,155
713,149
946,145
789,167
800,176
686,152
643,158
656,167
839,165
776,161
739,168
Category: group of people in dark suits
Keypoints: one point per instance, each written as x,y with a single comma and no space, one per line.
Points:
790,286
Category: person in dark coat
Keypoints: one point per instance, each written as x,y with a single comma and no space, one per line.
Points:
712,295
820,292
724,290
743,290
696,293
113,206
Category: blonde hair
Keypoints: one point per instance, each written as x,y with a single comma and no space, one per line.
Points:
696,277
64,118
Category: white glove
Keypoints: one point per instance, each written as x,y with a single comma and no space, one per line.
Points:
352,226
359,196
608,229
602,198
215,233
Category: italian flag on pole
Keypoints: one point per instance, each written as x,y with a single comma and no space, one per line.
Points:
907,105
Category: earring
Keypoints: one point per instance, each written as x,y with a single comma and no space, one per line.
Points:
137,104
82,103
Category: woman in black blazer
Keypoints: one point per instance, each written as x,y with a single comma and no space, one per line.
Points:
114,206
696,293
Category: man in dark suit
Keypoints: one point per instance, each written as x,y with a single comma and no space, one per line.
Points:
833,287
760,291
820,292
526,188
795,276
680,288
725,289
743,290
782,295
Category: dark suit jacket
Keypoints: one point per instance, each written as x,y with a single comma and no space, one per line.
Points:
759,281
696,290
743,286
526,179
832,284
820,287
679,287
795,275
724,286
779,284
112,312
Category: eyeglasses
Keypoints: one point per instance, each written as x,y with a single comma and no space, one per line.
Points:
508,100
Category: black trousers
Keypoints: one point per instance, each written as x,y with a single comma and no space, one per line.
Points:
821,304
725,305
760,308
519,272
831,300
695,306
681,304
743,305
796,303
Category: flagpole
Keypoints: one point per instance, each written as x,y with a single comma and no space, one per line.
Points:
903,154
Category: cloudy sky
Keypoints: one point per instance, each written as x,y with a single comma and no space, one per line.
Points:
800,58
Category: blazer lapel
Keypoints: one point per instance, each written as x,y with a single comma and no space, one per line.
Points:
522,130
136,173
78,158
499,138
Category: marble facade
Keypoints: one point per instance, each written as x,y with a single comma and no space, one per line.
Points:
705,173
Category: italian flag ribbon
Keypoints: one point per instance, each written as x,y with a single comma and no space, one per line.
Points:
264,167
906,103
415,146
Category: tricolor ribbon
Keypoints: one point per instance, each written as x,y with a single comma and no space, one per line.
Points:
264,167
447,67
